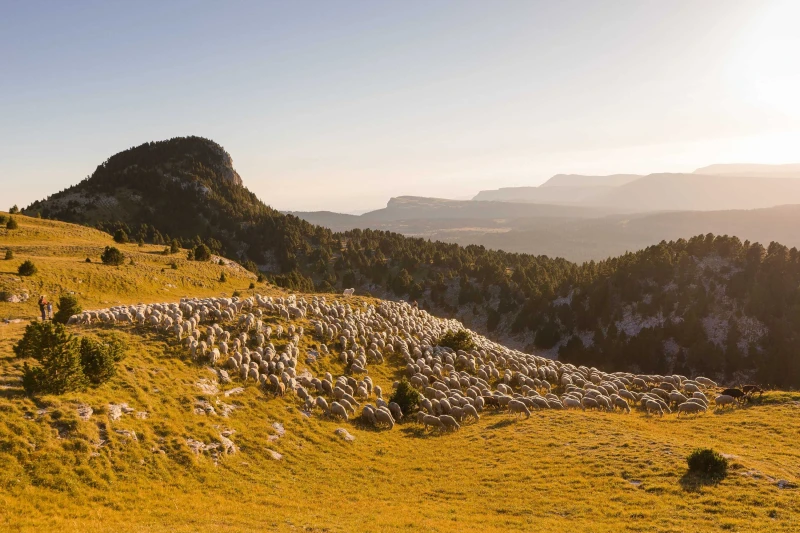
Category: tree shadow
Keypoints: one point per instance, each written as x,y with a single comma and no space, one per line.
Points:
693,482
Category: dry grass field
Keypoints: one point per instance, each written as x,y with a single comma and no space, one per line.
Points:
557,471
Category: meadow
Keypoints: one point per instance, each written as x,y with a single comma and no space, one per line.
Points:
557,471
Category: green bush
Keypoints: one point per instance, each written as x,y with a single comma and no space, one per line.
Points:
457,340
202,253
112,256
252,285
120,236
67,306
12,223
97,361
9,255
174,246
14,209
2,219
27,268
59,356
223,278
406,396
173,265
707,463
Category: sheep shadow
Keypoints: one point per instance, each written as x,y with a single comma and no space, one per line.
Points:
693,482
419,432
502,423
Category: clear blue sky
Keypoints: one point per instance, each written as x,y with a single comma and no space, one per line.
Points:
340,105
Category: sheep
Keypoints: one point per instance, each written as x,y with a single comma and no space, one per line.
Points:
397,413
384,418
621,403
724,399
338,410
470,411
518,407
348,292
654,406
690,407
449,423
322,403
433,421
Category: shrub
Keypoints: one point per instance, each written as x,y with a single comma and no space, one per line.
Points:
236,294
141,242
97,361
173,265
112,256
223,278
2,219
406,396
260,278
67,306
457,340
57,351
221,262
251,266
9,255
27,268
202,252
12,223
707,463
120,236
252,285
174,246
88,260
14,209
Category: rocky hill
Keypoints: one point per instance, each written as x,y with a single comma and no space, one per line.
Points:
183,188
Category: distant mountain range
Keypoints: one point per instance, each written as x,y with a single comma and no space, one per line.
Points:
585,218
722,187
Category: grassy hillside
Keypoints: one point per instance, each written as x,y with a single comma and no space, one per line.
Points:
558,471
187,188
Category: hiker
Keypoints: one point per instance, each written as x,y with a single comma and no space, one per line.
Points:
43,307
50,310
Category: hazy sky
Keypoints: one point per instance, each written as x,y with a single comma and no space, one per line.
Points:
341,104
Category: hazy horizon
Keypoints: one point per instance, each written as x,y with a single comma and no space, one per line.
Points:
341,106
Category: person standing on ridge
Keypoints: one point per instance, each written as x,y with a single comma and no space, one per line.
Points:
43,307
50,310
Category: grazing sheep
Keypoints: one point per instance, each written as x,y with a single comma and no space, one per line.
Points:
338,410
690,407
433,421
384,418
653,406
449,423
468,411
397,413
322,403
518,407
724,399
621,403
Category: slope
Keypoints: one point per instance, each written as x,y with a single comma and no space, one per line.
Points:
509,296
559,470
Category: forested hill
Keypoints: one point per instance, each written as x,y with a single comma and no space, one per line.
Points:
660,309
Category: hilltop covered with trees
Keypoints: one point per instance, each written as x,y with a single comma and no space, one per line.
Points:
710,304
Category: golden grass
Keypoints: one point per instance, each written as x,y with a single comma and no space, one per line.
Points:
558,471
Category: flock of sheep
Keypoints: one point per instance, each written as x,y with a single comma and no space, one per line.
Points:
455,386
